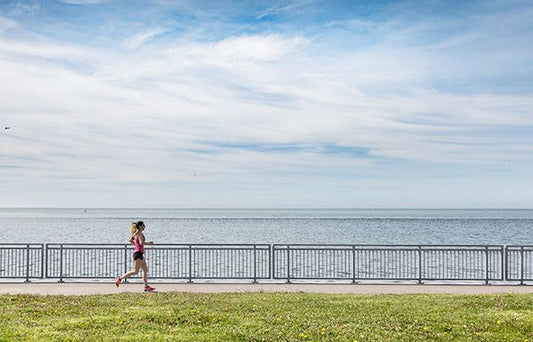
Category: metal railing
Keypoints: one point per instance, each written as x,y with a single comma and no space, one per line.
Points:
287,262
519,263
21,260
372,262
170,261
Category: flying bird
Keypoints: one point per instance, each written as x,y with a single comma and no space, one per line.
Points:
7,127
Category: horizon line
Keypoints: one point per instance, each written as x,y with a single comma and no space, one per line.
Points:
282,208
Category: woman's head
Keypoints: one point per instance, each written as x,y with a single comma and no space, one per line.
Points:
136,226
140,225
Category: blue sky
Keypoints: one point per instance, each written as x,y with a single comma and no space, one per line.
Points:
364,104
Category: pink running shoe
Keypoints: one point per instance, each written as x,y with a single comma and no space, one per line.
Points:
118,281
148,288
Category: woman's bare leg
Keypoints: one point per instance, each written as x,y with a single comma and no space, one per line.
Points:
136,268
145,272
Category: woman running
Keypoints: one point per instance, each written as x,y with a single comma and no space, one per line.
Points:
137,239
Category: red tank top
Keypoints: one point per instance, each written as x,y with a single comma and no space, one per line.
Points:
137,244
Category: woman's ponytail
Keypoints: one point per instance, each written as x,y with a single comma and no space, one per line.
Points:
133,228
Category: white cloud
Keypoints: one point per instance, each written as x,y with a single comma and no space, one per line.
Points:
25,8
268,48
357,24
142,37
6,24
292,7
42,49
156,113
226,103
81,2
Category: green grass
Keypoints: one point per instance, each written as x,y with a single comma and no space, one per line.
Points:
266,317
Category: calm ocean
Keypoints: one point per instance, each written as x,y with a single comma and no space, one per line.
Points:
340,226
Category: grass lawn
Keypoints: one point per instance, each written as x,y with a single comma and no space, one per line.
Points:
266,317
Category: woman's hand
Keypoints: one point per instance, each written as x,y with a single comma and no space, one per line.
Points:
149,243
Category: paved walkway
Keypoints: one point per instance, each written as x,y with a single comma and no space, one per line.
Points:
109,288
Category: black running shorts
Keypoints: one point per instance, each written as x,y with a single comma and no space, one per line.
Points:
138,255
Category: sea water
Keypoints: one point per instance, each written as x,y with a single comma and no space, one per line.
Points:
288,226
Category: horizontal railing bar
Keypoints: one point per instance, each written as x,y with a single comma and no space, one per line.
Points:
387,250
386,245
20,244
95,248
284,246
278,246
228,247
459,250
150,248
323,249
236,277
158,244
345,278
21,248
86,244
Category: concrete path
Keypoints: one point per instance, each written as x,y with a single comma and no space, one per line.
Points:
109,288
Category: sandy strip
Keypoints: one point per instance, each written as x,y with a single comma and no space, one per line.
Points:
104,288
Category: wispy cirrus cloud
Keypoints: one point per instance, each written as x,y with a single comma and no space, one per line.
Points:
6,24
81,2
142,37
21,8
284,8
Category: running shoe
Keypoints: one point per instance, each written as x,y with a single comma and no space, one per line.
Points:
148,288
118,281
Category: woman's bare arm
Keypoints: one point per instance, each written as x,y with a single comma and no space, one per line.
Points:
143,242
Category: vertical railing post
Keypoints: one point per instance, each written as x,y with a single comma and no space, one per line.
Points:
504,262
190,263
61,263
521,265
27,264
288,264
42,261
420,264
486,265
353,264
271,261
46,260
125,262
255,264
